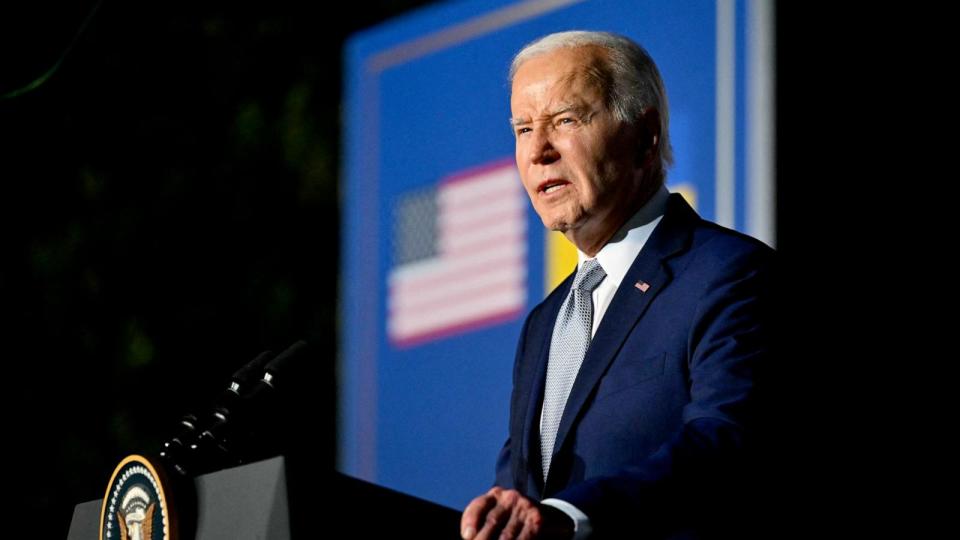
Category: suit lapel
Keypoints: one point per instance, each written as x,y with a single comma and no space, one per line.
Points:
648,275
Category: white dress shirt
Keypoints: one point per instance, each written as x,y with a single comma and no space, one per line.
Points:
615,257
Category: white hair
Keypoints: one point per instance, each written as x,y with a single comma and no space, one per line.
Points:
630,80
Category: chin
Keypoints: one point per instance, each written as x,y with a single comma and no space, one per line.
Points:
558,225
559,221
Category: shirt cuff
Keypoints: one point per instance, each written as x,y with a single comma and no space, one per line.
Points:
581,523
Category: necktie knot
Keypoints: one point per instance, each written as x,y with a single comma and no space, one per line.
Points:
589,276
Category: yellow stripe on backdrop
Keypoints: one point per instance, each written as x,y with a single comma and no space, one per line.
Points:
561,257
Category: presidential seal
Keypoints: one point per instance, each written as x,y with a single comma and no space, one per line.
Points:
136,505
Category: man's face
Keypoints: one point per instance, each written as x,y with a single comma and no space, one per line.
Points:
576,160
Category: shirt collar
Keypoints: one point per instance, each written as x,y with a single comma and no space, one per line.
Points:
619,252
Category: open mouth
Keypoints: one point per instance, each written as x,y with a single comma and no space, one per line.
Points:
549,186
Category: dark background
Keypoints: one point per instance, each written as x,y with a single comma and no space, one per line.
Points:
170,208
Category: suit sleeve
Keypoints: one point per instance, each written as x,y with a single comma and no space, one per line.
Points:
695,475
504,477
506,469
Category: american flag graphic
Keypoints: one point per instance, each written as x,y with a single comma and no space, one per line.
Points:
459,256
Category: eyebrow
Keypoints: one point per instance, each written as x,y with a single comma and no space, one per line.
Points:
523,120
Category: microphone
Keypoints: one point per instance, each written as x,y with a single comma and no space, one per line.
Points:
274,372
182,450
234,430
257,413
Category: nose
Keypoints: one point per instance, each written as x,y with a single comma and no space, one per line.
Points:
542,151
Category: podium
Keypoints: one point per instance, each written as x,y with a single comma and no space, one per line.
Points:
251,501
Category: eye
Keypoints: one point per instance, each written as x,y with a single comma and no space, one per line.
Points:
522,130
566,121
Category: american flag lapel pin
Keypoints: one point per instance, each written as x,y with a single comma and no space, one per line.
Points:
642,285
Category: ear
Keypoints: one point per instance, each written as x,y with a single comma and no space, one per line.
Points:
648,138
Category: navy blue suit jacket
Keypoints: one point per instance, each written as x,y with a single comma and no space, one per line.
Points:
658,421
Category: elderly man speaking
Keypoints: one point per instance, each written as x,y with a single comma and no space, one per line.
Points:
634,381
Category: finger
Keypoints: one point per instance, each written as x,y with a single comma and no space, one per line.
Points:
531,526
474,514
493,524
549,522
514,525
498,516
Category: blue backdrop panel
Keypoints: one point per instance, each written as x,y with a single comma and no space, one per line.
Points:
426,98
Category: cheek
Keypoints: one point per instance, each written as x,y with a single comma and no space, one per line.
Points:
582,159
525,184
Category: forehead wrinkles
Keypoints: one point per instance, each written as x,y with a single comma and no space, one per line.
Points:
573,87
